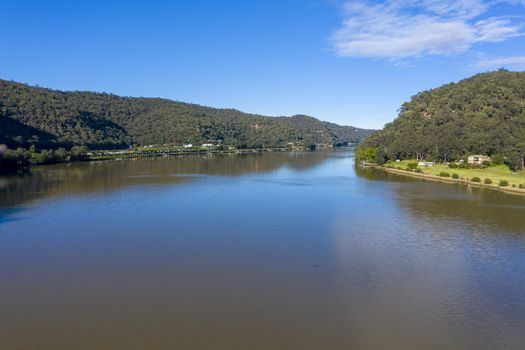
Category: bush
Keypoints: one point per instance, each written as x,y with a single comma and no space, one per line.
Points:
521,186
79,153
380,157
312,147
455,176
366,153
514,161
444,174
486,163
453,166
503,183
498,159
462,166
14,158
412,166
475,179
419,171
487,181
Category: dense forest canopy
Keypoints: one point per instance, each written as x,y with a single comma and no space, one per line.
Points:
51,119
484,114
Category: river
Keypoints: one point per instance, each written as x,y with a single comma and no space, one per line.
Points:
264,251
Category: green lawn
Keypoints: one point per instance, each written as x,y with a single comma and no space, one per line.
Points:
495,172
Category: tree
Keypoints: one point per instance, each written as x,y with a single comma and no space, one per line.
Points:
79,153
366,153
483,114
51,119
380,157
515,161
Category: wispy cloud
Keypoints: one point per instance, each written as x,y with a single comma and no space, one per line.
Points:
517,62
410,28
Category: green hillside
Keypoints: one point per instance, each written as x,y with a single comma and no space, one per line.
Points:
484,114
314,131
50,119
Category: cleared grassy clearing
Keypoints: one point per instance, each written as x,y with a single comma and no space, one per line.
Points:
496,173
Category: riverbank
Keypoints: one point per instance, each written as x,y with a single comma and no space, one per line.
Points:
28,159
513,188
156,152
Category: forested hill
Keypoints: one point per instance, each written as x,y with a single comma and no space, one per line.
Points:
318,132
50,119
484,114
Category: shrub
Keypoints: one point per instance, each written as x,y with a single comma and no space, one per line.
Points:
455,176
313,146
487,181
521,186
462,166
419,171
486,163
503,183
453,166
514,161
498,159
513,185
380,157
366,153
475,179
412,166
444,174
79,153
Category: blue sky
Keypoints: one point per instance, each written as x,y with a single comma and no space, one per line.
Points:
350,62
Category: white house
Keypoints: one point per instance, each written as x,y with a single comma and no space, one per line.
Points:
426,164
478,159
188,145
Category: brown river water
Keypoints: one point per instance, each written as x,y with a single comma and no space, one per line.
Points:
264,251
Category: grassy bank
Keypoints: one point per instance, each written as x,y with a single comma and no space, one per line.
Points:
498,177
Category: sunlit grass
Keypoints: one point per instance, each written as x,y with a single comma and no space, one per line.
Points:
496,173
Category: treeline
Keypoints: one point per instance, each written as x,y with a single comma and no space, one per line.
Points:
21,157
50,119
484,114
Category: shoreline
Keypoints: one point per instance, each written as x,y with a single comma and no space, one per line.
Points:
435,178
119,155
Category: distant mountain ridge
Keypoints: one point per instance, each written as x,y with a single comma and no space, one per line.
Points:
50,118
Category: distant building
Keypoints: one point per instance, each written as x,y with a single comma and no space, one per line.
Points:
478,159
188,145
207,145
426,164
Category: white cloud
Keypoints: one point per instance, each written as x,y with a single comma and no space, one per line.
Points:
500,62
466,9
408,28
496,29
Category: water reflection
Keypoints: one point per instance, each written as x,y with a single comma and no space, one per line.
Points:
297,253
427,265
93,177
488,210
